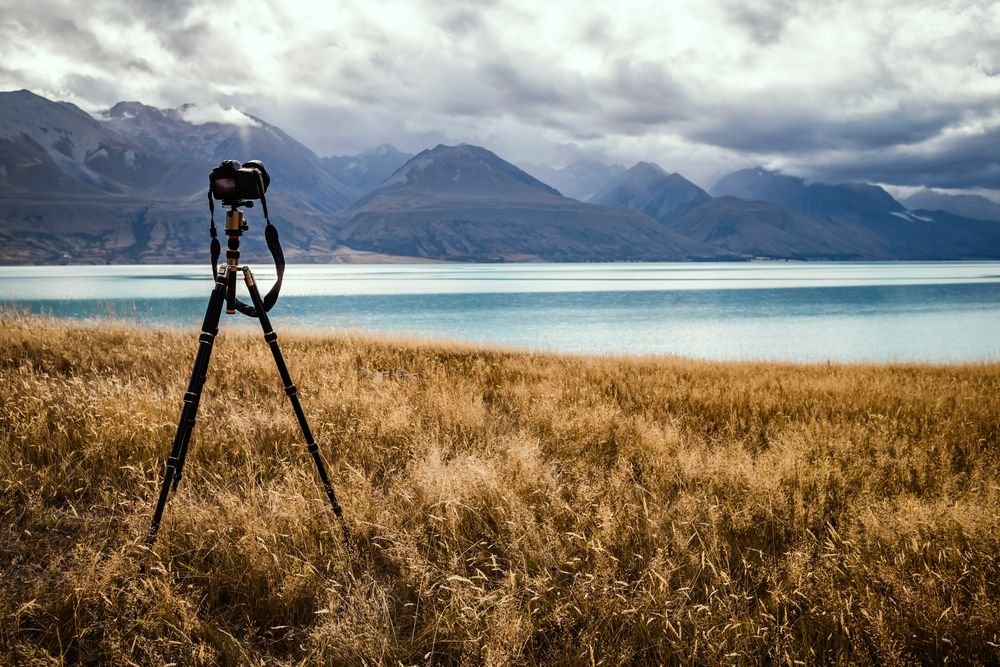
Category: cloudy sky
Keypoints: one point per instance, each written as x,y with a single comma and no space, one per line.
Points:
904,93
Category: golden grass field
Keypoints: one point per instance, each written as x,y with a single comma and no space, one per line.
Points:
505,507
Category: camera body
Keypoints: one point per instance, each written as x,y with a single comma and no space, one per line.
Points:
232,182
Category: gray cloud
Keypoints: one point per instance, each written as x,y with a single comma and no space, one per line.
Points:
763,20
525,87
960,162
766,130
83,85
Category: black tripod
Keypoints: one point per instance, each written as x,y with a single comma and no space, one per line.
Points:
225,290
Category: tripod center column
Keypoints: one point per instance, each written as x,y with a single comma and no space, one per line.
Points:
235,226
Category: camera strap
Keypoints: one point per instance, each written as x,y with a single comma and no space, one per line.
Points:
273,245
277,254
216,249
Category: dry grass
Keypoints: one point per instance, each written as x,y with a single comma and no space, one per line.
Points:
506,508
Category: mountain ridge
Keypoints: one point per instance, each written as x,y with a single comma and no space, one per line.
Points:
128,185
792,192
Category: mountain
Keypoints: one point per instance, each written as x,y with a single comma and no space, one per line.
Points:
817,198
190,135
742,227
57,148
465,203
648,188
366,171
129,186
738,226
883,227
579,180
968,206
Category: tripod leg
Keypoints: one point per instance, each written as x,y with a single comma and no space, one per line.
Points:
178,451
272,341
201,370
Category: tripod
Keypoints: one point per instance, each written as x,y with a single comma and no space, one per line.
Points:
225,290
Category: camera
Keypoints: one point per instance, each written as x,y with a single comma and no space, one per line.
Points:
233,182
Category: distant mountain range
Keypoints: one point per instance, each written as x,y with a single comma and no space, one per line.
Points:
867,221
463,202
128,185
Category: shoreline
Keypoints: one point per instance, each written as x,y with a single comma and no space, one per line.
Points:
245,328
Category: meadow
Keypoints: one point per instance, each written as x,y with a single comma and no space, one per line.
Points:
505,507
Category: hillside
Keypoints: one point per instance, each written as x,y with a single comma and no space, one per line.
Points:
180,134
760,229
129,185
504,507
49,148
465,203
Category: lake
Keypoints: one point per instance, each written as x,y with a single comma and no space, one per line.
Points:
909,311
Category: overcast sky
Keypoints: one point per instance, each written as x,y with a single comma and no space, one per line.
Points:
903,93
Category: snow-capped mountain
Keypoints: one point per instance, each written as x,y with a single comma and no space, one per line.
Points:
208,136
130,183
58,148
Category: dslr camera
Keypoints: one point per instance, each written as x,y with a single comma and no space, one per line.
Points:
232,182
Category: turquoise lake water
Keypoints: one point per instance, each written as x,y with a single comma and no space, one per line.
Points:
933,311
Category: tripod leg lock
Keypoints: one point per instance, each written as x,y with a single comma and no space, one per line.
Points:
270,337
290,390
